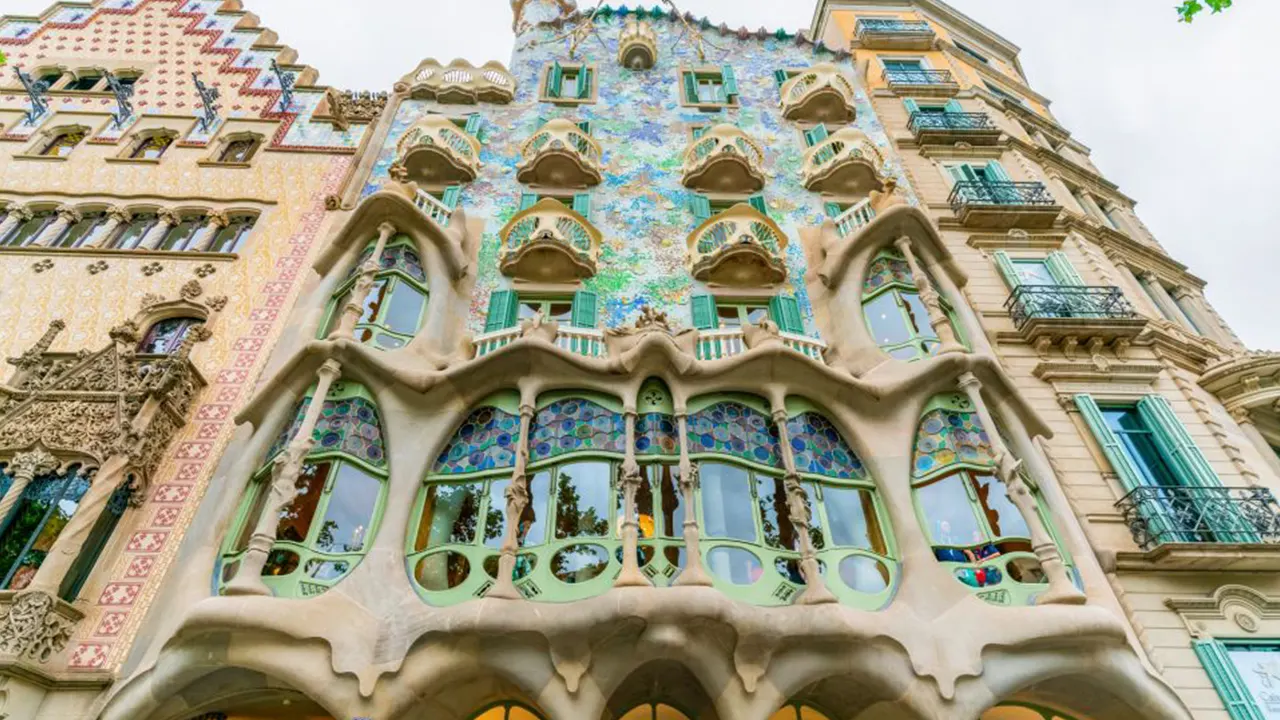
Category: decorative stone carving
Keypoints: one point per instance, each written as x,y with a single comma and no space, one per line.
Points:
32,629
41,265
762,334
622,340
539,329
97,266
348,107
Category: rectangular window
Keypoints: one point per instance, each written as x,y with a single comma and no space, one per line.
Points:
901,64
578,202
971,52
711,313
508,308
709,87
704,208
992,172
1002,94
564,83
1053,269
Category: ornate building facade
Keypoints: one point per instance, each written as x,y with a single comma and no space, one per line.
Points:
670,372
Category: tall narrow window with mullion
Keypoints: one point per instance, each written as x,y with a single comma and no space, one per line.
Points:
394,308
83,232
896,315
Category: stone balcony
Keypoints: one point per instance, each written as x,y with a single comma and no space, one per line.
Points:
922,82
1074,316
432,208
1004,205
894,34
724,160
1202,528
846,163
637,45
820,94
436,151
739,247
559,154
460,82
949,128
549,242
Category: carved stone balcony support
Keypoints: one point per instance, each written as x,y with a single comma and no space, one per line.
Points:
559,154
35,628
436,151
820,94
894,34
637,45
846,163
740,247
948,128
460,82
724,159
549,242
1004,205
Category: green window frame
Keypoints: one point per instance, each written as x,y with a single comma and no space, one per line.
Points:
710,313
704,208
709,87
1056,266
340,494
397,302
571,82
894,313
1227,679
508,307
578,202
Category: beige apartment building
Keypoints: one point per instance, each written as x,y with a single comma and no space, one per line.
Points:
670,371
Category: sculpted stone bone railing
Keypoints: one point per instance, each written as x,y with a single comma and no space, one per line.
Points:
560,154
437,150
549,242
740,246
637,45
724,159
460,82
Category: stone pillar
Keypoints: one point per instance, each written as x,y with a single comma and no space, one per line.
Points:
1091,205
1161,297
631,478
1193,306
815,588
25,467
115,218
354,307
1061,591
517,497
165,220
1058,188
53,570
12,219
1245,420
282,489
204,238
66,218
929,296
693,572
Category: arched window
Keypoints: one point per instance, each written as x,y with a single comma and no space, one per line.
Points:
895,314
973,526
152,146
654,711
231,238
798,711
82,232
239,149
322,534
394,308
507,711
181,234
750,544
28,533
165,336
63,142
132,232
24,233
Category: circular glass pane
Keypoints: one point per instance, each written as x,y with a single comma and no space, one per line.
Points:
864,574
525,562
442,570
579,563
735,565
327,569
389,342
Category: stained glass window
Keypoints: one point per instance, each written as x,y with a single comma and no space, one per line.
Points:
347,425
896,316
44,509
574,425
394,308
63,143
730,428
948,437
820,449
166,336
656,434
486,440
151,148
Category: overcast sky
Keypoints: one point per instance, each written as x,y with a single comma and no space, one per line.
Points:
1179,116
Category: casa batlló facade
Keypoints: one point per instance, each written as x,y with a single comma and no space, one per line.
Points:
671,371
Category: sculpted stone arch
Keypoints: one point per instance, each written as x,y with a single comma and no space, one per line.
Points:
234,692
660,690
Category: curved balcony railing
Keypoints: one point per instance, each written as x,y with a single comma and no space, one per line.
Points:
1183,514
724,159
820,94
433,208
1037,302
855,218
1000,193
892,33
845,163
728,342
559,154
461,82
740,246
435,150
637,45
549,242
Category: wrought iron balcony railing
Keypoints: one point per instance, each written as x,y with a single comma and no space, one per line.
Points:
894,33
1037,302
1000,193
950,121
918,77
1159,515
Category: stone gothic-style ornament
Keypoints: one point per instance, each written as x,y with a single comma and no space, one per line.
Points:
31,629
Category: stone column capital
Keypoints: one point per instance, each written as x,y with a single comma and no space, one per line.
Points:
386,229
70,214
21,212
218,219
168,216
119,215
1182,292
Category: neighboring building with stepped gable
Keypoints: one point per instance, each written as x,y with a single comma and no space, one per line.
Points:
672,372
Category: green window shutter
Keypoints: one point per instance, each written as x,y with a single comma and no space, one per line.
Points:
729,82
528,200
584,309
781,77
699,131
1130,476
582,204
757,202
1062,271
555,76
1176,443
961,173
473,125
691,88
911,106
832,210
584,83
585,126
953,106
996,173
704,312
815,135
1005,265
700,206
1226,680
503,305
451,195
785,311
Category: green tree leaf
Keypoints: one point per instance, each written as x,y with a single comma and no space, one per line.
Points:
1188,10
